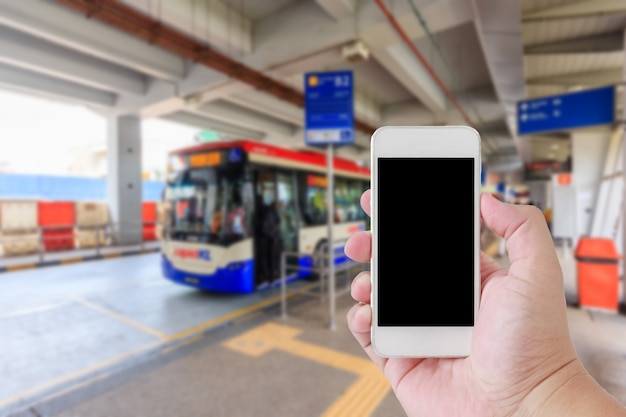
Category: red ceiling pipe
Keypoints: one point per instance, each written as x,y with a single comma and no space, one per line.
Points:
131,21
419,56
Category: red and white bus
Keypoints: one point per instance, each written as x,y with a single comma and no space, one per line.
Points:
217,196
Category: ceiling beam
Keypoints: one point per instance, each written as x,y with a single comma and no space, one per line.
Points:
499,29
607,42
72,30
34,54
38,84
587,78
412,74
577,9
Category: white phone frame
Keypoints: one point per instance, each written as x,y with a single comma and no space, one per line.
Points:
423,141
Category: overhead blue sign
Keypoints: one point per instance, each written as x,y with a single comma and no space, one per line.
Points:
329,108
566,111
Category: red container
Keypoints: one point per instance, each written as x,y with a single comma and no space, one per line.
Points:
148,212
149,232
598,273
58,239
56,213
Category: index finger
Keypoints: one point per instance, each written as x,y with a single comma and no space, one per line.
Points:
366,201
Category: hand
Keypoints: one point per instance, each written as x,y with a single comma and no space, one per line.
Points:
522,361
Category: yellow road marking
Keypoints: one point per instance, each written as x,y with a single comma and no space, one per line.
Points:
361,398
76,374
162,336
70,261
20,267
111,255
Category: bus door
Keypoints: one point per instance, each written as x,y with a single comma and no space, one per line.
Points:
275,192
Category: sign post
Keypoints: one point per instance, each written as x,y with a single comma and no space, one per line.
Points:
329,120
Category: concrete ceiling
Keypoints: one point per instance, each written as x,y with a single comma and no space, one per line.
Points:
488,54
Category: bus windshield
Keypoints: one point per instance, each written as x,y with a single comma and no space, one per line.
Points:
209,205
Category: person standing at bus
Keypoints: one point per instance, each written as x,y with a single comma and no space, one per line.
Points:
271,242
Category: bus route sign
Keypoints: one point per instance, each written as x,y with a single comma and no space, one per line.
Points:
329,108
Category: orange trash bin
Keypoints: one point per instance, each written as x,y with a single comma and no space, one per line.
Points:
598,273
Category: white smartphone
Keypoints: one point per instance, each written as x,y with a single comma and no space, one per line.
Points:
425,240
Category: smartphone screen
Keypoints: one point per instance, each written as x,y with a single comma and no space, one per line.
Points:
426,241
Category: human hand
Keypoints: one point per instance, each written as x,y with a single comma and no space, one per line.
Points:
522,361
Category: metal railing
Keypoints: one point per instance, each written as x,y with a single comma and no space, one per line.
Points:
328,287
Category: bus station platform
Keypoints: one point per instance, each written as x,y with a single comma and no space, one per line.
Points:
112,337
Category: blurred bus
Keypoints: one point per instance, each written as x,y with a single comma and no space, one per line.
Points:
215,199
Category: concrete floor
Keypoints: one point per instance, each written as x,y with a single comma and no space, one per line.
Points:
112,337
63,326
268,366
306,370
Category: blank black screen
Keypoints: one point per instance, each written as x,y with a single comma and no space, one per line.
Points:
426,241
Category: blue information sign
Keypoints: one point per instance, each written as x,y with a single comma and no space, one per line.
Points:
329,108
566,111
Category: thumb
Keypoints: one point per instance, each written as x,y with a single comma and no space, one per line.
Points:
528,239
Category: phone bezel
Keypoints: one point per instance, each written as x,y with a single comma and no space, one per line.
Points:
423,141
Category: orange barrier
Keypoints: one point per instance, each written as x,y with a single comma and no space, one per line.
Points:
598,273
148,212
149,232
56,213
58,239
149,217
56,218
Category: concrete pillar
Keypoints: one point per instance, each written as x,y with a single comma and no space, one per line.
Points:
124,178
589,149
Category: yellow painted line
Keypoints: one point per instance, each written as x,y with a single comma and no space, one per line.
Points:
20,267
75,375
70,261
111,255
330,357
233,315
360,399
162,336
